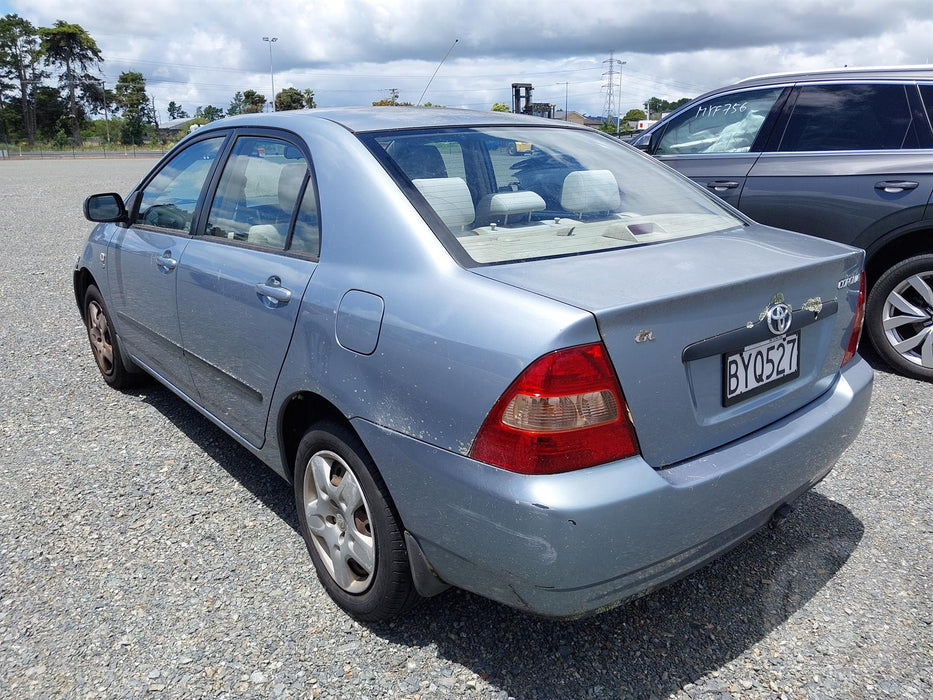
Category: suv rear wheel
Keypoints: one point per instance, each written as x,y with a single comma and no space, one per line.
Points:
900,316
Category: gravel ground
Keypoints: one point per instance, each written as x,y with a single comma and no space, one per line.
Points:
142,552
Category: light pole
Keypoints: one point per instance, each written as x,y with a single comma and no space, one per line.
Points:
103,90
271,41
619,112
566,90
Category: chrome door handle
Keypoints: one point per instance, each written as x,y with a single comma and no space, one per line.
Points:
273,290
894,186
722,185
166,262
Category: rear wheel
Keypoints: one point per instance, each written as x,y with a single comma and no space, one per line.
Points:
104,343
900,316
350,527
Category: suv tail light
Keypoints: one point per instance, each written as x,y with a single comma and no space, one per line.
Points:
564,412
857,323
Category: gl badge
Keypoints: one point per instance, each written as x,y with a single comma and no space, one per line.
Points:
779,318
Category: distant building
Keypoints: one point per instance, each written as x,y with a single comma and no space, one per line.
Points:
175,127
578,118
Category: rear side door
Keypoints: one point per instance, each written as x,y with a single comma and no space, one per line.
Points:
144,258
715,141
242,278
848,162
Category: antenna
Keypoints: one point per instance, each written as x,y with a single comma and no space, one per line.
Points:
437,69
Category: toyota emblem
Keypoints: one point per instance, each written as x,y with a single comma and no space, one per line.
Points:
779,317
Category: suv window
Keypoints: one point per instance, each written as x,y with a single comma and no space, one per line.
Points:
168,201
723,124
850,118
926,91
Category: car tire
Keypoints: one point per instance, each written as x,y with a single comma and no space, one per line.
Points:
350,526
899,317
105,345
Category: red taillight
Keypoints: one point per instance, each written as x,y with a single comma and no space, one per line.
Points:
564,412
857,323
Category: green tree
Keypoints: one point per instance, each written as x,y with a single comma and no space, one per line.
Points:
175,111
236,104
72,49
51,112
212,113
253,102
609,126
501,107
20,61
308,96
288,99
655,106
634,115
130,96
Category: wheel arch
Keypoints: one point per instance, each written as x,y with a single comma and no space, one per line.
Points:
82,280
302,410
892,249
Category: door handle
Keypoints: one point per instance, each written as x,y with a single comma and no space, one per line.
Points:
165,262
894,186
273,291
722,185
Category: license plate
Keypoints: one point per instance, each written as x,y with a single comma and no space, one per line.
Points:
759,367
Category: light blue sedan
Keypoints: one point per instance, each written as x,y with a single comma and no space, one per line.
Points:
558,376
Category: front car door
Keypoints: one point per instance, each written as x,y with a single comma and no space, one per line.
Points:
242,279
849,162
144,258
714,142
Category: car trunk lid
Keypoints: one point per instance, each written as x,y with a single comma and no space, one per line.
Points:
685,323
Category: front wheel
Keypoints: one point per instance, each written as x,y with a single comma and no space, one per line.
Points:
104,343
899,316
350,527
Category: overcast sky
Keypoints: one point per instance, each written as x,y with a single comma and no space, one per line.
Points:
199,52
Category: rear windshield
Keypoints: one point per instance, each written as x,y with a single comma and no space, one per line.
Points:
503,194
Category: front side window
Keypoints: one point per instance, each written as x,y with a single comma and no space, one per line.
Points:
850,118
259,190
169,200
516,193
724,124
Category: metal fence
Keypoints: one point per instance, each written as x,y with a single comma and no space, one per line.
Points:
16,152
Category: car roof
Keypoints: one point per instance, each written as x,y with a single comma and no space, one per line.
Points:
363,119
845,73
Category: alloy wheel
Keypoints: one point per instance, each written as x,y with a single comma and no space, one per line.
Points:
339,521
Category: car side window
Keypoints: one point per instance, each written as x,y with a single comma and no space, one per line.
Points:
306,236
170,198
850,118
723,124
926,92
258,191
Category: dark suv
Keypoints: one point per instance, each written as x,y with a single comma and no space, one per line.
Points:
845,155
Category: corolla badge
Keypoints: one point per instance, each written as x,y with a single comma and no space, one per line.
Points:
779,317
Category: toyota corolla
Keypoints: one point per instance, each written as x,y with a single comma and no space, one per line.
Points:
489,351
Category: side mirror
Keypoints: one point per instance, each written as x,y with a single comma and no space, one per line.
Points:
643,142
105,208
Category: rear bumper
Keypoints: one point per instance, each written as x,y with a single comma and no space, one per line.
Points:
569,544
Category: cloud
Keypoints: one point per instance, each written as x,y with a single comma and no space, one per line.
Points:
354,52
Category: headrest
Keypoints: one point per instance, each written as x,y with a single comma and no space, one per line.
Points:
266,234
449,197
418,160
588,191
504,204
290,180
